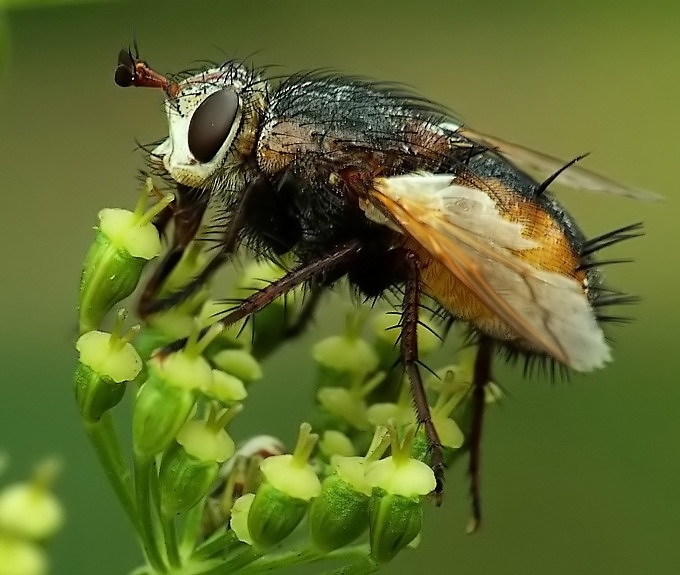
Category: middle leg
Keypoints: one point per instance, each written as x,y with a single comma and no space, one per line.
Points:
409,351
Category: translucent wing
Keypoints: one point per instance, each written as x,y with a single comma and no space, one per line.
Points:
461,228
544,165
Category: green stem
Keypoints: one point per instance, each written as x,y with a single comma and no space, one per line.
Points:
358,554
104,439
234,563
171,545
148,529
221,543
273,561
191,528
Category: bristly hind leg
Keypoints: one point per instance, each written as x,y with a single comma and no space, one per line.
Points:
409,352
480,379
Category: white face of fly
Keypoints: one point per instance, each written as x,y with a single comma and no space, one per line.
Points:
206,118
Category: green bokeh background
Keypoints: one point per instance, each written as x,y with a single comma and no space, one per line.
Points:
579,477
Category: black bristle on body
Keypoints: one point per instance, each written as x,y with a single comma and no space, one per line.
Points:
611,238
552,177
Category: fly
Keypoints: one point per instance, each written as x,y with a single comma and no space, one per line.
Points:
367,181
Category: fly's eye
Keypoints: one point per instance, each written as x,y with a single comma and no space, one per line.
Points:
125,72
211,123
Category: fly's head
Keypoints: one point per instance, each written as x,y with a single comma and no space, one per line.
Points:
212,118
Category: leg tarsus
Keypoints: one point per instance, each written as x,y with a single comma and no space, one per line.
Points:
480,379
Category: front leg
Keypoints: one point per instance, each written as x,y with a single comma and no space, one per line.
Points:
314,271
186,213
190,208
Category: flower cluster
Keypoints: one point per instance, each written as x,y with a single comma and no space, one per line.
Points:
351,490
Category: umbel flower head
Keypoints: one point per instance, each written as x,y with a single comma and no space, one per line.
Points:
201,498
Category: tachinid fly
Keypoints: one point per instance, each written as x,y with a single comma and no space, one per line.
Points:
367,181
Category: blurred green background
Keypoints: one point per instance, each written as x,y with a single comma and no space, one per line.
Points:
579,477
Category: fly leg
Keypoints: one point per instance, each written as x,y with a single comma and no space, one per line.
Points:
480,379
189,212
409,353
313,271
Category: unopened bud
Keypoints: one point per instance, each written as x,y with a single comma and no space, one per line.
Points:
21,557
107,362
29,509
345,360
125,242
338,515
281,501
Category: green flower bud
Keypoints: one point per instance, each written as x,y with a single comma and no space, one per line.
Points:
281,501
338,515
395,512
395,521
189,468
274,515
407,477
352,470
207,440
349,404
336,443
29,509
107,361
162,406
344,404
451,394
239,363
383,413
20,557
291,473
225,388
344,360
233,336
173,323
399,474
184,480
124,243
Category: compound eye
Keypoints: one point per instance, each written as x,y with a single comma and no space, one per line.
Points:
211,123
125,72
